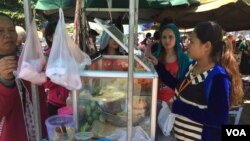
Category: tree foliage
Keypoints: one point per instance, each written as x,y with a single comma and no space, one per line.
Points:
14,8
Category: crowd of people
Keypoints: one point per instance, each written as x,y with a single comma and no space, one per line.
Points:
200,85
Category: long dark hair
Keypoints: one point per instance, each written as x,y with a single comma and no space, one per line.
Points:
222,54
105,50
49,31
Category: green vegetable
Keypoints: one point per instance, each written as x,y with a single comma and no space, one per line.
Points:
96,91
95,115
88,110
90,119
101,119
93,105
97,111
85,127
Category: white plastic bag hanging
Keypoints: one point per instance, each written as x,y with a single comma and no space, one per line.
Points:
62,68
82,59
166,119
32,60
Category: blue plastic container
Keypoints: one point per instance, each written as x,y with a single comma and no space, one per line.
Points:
57,121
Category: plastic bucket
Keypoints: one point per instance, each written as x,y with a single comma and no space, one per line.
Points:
57,121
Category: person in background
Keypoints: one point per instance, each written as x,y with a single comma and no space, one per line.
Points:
238,42
42,39
21,35
145,40
211,85
91,42
185,41
56,94
156,41
244,48
170,54
109,47
16,111
243,45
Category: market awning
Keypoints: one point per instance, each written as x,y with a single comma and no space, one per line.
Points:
142,3
55,4
230,14
149,10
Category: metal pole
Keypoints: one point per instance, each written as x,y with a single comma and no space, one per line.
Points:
84,26
27,13
131,67
34,88
153,108
75,109
136,20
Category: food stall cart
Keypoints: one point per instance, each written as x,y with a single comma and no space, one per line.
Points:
128,76
101,106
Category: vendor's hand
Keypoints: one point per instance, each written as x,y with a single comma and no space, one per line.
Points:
149,55
152,59
170,104
7,66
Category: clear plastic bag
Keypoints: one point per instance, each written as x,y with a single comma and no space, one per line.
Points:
62,67
166,119
82,59
32,60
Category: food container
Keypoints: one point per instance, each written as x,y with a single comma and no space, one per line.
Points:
64,123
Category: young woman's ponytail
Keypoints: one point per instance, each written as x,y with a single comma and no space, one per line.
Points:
228,61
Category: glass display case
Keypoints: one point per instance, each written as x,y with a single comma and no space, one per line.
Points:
101,106
108,104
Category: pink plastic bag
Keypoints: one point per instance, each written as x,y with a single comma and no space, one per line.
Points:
62,67
32,60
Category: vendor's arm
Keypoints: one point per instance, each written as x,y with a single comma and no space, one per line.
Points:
217,110
165,76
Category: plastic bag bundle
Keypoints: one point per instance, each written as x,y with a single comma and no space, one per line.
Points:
62,67
32,60
166,119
